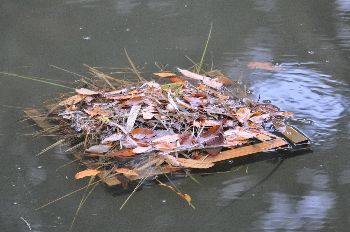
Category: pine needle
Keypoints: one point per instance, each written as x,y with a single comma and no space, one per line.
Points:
51,146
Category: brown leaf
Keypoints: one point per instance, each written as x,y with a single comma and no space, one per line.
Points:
167,138
177,79
85,173
206,122
112,138
212,83
140,133
72,100
97,110
148,112
122,153
260,118
186,140
192,163
140,149
86,92
243,114
194,101
127,171
262,65
165,146
184,196
164,74
98,149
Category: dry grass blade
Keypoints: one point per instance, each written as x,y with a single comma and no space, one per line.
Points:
133,66
35,79
51,146
134,112
199,67
184,196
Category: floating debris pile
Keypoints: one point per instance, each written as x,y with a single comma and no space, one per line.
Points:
149,129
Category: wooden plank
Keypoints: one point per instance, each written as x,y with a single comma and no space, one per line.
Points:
294,136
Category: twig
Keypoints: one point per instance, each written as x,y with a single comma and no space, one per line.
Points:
26,222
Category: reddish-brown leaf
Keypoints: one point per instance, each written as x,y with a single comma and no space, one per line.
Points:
177,79
186,140
87,172
140,133
128,152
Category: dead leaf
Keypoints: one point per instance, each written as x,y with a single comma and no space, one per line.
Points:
167,138
86,92
85,173
185,196
165,146
134,112
97,110
260,118
206,122
262,65
186,140
71,100
127,171
112,138
192,163
140,133
177,79
164,74
98,149
122,153
243,114
212,83
140,149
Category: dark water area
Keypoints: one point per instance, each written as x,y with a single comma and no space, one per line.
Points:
308,40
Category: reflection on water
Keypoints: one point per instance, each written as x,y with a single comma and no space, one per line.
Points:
308,212
308,92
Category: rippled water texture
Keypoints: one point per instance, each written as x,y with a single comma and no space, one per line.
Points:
309,41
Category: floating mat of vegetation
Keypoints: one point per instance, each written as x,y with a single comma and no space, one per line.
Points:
123,132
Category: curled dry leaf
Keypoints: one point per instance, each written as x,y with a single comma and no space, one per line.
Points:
213,83
86,92
206,122
164,74
85,173
127,171
98,149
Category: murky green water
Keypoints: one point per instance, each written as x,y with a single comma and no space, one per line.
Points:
309,39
